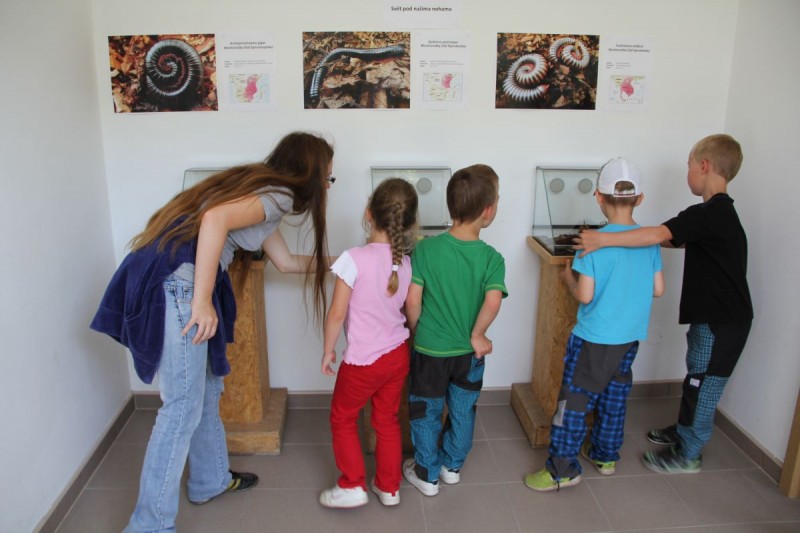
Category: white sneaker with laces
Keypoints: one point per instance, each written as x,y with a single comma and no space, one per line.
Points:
387,498
450,476
340,498
428,489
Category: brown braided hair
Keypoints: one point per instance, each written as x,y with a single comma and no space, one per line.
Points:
393,206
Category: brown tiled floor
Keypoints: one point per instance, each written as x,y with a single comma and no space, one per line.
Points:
731,494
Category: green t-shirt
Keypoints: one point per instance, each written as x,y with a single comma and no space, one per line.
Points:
455,276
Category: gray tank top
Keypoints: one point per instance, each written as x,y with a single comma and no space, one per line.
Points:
276,205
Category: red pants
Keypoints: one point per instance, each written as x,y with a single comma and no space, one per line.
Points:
382,381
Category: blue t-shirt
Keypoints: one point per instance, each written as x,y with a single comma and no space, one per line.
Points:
619,312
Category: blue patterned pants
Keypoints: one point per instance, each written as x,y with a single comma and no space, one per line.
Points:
434,382
713,351
596,376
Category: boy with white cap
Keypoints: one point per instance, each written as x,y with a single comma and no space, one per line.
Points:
715,297
615,288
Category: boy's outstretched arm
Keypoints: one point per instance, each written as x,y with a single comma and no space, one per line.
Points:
491,306
591,240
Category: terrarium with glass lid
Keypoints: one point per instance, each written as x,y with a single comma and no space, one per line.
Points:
431,186
564,204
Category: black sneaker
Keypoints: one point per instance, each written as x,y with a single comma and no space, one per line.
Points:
239,481
667,435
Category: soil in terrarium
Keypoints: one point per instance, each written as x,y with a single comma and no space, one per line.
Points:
562,244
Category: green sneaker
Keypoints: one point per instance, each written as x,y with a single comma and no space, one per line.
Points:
668,461
543,481
606,468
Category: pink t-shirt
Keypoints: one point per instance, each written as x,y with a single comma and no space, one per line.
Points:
375,323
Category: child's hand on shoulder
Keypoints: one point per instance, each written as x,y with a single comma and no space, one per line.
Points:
588,240
327,360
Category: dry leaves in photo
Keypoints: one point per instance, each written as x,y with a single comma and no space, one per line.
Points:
563,85
194,57
373,73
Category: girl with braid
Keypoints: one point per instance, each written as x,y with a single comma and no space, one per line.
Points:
368,298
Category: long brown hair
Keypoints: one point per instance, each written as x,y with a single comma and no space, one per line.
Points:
299,162
393,206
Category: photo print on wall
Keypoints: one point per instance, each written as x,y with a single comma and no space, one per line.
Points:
151,73
546,71
356,70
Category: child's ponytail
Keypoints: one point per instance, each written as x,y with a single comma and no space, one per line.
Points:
396,238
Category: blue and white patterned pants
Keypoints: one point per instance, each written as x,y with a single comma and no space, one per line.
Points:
605,386
701,393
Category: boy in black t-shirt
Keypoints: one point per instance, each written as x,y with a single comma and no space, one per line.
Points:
715,299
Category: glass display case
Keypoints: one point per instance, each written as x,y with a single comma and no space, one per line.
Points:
564,204
193,176
431,186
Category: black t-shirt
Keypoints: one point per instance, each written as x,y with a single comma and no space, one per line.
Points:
715,267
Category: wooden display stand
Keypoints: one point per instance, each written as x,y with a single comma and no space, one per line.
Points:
535,402
253,414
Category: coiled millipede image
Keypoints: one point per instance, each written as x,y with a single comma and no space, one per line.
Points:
369,54
570,51
525,74
173,73
523,77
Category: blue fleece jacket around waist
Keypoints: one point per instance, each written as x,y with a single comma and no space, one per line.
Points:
132,310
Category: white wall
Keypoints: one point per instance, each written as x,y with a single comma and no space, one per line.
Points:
146,154
62,384
763,115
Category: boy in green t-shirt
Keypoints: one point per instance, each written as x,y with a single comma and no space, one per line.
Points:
457,285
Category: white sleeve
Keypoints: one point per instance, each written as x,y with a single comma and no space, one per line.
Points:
345,268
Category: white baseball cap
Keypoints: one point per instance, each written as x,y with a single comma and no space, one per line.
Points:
616,170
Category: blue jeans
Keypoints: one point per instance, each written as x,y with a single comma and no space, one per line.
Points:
456,381
188,423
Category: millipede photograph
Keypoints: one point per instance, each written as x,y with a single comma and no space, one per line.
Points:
356,70
152,73
546,71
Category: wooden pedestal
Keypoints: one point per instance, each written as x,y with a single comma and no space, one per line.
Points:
535,402
253,414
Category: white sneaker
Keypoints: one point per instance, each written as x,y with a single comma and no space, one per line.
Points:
387,498
450,476
343,498
428,489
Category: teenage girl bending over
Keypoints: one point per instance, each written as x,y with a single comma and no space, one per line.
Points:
368,297
171,303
